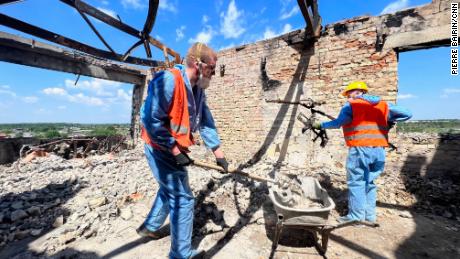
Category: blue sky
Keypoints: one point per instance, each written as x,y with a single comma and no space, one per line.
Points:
36,95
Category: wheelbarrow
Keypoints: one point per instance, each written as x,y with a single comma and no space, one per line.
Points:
314,220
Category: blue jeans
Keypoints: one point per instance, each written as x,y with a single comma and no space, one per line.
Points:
364,165
175,198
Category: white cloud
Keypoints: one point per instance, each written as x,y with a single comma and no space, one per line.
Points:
395,6
446,92
270,33
134,4
54,91
98,86
158,37
451,90
286,28
123,96
105,2
8,92
89,100
30,99
205,19
168,6
108,11
289,14
180,33
204,36
5,87
92,92
406,96
218,5
231,22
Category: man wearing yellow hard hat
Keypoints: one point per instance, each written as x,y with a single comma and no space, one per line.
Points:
365,120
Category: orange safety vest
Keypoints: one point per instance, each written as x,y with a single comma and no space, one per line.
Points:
178,114
369,127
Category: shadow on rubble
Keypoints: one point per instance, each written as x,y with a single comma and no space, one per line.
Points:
436,186
30,215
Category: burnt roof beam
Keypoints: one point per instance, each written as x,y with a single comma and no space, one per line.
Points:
64,41
309,9
9,1
29,52
103,17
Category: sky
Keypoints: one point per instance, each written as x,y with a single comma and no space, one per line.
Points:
36,95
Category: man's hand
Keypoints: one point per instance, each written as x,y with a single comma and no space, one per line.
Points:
316,125
220,159
183,159
391,124
222,162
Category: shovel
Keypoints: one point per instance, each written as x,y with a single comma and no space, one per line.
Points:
233,171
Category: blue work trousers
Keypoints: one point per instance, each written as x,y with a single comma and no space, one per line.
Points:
175,198
364,165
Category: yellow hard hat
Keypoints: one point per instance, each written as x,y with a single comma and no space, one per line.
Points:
355,85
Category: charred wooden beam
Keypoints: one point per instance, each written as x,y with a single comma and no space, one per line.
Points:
9,1
59,39
309,9
94,29
103,17
19,50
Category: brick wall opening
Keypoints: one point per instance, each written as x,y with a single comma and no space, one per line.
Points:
427,89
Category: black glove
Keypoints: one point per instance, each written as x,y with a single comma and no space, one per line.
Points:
391,124
222,162
183,159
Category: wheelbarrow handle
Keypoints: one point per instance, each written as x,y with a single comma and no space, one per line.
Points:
352,223
232,171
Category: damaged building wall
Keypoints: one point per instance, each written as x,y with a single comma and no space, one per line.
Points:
283,68
289,68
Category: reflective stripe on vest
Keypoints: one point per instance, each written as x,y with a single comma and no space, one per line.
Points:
369,126
367,136
366,127
179,129
178,114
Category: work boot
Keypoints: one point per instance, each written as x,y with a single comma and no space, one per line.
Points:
197,254
144,232
345,219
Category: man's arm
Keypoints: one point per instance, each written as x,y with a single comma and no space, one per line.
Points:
398,113
345,117
156,107
208,129
210,137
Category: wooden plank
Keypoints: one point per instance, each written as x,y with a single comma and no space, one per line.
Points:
19,50
59,39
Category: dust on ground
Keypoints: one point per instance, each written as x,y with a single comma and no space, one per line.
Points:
90,208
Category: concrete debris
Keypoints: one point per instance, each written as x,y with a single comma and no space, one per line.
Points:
405,214
87,198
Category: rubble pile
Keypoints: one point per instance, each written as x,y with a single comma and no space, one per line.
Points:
69,200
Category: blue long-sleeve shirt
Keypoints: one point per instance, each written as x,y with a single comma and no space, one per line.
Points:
396,113
154,111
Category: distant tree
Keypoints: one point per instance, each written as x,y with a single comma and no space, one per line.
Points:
104,131
52,134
